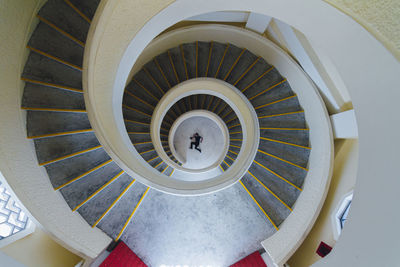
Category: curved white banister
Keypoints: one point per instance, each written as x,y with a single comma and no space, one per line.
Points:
368,70
106,116
235,99
205,114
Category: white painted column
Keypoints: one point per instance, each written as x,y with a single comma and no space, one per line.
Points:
299,52
258,22
344,125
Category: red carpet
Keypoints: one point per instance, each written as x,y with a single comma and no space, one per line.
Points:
122,256
253,260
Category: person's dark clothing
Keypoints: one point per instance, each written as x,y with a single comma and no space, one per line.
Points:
197,138
196,143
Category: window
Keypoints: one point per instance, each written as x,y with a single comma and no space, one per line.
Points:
339,217
14,222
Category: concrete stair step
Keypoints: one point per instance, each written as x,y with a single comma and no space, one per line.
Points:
38,122
44,69
41,96
115,220
99,204
87,7
63,16
54,43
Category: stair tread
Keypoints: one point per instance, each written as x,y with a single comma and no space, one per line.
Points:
41,68
245,61
217,52
288,121
203,50
289,153
291,173
66,170
77,192
37,122
41,96
52,42
253,74
230,58
191,59
48,149
283,190
87,7
115,219
272,206
295,137
63,16
95,207
166,67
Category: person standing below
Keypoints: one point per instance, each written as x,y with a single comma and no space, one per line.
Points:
196,140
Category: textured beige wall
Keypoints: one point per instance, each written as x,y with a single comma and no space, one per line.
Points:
380,17
343,181
39,250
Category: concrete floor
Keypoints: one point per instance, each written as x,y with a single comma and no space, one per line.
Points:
211,230
212,147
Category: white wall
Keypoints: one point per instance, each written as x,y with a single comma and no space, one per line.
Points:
343,182
8,261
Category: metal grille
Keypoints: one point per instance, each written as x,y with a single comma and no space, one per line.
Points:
12,218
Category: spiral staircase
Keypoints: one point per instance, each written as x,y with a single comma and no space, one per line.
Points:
93,184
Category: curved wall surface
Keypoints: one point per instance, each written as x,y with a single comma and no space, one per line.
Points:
369,71
359,58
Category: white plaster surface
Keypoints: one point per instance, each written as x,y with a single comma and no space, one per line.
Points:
258,22
212,145
222,16
196,176
344,124
380,17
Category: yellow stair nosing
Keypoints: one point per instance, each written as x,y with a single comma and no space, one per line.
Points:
222,60
269,218
54,58
60,134
269,88
130,216
277,175
55,109
256,80
234,63
58,86
269,190
113,203
281,159
50,24
70,155
98,190
78,11
247,70
282,142
84,174
284,129
275,102
281,114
